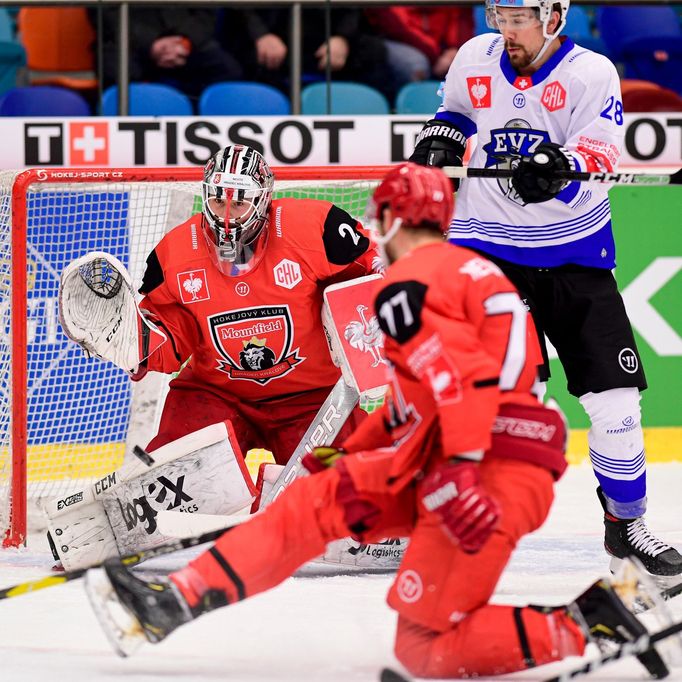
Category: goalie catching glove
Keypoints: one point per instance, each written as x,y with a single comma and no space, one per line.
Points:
97,310
468,513
440,144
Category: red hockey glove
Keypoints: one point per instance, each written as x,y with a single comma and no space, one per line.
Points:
468,513
322,458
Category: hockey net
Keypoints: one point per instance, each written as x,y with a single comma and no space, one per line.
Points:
66,419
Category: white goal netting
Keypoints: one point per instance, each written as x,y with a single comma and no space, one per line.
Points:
83,415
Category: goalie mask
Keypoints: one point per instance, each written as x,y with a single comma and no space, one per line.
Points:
417,196
236,194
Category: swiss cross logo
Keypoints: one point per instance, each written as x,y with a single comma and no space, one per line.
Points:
89,143
287,273
479,91
193,286
523,82
553,96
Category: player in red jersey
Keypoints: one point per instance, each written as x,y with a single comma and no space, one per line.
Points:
462,458
238,290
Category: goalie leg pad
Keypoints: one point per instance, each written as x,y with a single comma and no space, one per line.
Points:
203,471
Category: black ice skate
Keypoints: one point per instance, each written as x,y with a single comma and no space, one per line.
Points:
131,610
631,538
607,622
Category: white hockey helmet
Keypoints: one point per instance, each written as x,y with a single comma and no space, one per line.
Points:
236,175
544,8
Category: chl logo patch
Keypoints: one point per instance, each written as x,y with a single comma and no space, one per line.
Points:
627,359
480,92
287,273
193,286
410,587
255,343
553,96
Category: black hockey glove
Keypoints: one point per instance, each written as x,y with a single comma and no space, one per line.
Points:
440,144
533,177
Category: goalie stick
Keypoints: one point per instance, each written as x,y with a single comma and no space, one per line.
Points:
323,429
639,646
652,179
37,584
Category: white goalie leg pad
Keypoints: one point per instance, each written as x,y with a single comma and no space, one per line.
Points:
203,471
210,479
98,310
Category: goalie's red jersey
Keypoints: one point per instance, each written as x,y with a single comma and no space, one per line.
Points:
258,335
462,347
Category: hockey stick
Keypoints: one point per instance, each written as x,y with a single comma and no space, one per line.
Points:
323,429
613,178
639,646
128,560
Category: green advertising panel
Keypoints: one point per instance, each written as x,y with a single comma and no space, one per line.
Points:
648,229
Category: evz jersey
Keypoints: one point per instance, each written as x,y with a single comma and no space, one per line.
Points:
574,100
259,335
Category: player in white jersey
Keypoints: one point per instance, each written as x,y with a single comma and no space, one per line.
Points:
538,103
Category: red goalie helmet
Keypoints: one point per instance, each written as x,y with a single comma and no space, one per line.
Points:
418,196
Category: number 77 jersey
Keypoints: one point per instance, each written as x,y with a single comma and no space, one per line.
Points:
459,341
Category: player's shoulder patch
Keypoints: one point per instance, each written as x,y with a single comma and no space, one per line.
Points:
399,308
343,241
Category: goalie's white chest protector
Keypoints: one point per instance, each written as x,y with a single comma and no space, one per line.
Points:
573,100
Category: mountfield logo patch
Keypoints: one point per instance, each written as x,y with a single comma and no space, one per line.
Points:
255,343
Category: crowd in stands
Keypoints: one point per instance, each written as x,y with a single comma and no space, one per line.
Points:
385,48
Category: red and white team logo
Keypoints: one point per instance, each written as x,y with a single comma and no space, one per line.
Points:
410,587
254,343
242,289
553,96
287,273
193,286
356,330
89,144
480,91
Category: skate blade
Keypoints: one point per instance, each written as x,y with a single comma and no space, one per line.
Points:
662,582
121,629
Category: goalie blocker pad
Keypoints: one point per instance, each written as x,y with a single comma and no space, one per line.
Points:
202,472
356,343
346,553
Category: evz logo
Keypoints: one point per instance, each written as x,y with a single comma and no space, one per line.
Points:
507,145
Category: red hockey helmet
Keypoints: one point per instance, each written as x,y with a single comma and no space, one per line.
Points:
418,196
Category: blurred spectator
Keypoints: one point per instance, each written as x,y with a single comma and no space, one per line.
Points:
355,53
172,45
422,41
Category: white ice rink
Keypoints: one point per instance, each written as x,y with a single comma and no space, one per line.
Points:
321,629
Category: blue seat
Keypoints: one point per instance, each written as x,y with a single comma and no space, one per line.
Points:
148,99
7,26
647,40
347,98
480,25
579,29
43,100
243,98
12,58
418,98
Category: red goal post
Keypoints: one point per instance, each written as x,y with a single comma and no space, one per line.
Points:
66,419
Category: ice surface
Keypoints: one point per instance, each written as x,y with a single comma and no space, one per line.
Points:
321,629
